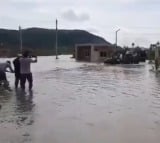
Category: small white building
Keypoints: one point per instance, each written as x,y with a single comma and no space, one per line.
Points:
93,52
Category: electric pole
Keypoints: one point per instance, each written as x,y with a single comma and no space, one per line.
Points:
56,44
116,38
20,37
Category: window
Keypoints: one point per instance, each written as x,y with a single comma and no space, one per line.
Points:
103,54
87,53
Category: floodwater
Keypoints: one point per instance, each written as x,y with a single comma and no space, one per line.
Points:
76,102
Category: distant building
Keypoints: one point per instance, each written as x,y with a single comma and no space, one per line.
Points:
93,52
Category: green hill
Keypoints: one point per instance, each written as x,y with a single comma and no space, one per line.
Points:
42,41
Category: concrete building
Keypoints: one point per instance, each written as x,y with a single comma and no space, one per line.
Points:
93,52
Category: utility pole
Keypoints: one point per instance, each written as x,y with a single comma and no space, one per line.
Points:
56,39
157,56
157,50
20,37
116,38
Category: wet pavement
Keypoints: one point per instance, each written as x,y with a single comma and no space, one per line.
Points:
76,102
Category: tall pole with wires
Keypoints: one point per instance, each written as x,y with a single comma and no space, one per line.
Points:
56,43
20,38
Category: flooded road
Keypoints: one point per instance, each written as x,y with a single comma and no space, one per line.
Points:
76,102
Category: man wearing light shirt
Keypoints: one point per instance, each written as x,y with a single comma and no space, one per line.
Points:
25,69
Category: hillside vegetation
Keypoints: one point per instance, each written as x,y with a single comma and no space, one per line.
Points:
42,41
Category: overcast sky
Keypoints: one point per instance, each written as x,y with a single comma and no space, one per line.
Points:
138,20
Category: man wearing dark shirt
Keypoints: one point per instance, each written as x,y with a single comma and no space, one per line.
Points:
16,64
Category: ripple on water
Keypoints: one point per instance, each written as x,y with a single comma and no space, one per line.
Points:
86,94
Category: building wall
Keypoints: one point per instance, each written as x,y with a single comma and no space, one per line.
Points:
97,53
83,53
94,55
101,52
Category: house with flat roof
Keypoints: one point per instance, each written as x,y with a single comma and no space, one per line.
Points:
93,52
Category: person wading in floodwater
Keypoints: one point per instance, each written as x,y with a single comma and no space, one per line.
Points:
16,64
3,78
25,69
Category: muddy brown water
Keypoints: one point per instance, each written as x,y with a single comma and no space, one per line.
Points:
77,102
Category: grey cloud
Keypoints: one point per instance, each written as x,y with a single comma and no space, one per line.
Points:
72,16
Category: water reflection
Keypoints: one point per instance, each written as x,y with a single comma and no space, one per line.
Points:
16,116
84,102
24,102
4,97
24,108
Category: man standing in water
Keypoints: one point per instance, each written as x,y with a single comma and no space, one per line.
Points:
25,69
16,64
3,69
